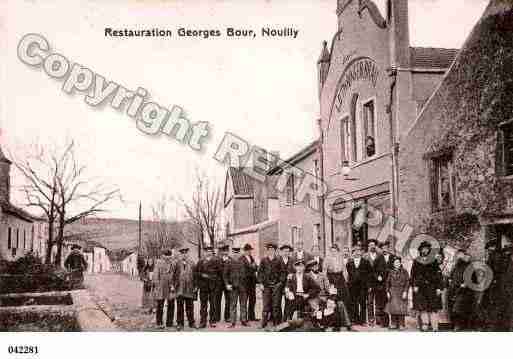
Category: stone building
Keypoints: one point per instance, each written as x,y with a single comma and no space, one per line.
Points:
372,86
456,158
20,232
297,221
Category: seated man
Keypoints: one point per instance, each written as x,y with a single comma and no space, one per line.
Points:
300,288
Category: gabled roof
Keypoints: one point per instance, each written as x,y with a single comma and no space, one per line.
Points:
242,183
302,154
432,57
16,212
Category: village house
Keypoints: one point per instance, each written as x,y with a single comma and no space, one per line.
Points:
456,158
20,232
297,222
372,86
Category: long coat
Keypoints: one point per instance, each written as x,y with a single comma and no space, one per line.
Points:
397,283
210,274
427,277
163,278
235,273
250,268
184,279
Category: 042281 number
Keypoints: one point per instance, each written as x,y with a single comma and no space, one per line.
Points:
23,349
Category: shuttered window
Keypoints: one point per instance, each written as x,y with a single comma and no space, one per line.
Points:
9,238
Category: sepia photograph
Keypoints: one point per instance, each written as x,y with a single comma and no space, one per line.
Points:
256,166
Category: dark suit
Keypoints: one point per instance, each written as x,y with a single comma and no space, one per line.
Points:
251,280
310,288
271,276
223,292
210,281
378,295
289,270
235,276
358,278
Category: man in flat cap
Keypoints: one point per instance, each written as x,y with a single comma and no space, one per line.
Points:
270,275
164,288
288,265
251,280
235,282
184,282
210,282
224,257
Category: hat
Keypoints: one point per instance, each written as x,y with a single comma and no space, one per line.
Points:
312,263
167,252
335,246
247,247
271,245
183,250
299,262
425,244
236,249
286,246
384,244
75,246
224,247
372,241
209,248
490,244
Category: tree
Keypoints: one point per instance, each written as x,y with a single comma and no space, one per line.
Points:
204,208
165,232
57,184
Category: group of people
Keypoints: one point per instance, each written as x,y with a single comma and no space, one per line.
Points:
305,291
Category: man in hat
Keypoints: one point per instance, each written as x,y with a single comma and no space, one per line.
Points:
224,258
317,257
288,265
76,264
165,288
235,282
270,275
300,253
184,282
300,288
376,284
336,271
250,269
209,272
358,271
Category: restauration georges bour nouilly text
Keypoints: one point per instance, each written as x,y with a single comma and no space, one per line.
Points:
232,32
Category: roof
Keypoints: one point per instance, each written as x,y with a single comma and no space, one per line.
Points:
242,182
16,212
3,158
432,57
302,154
120,255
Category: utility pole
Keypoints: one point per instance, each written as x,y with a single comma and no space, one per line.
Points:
140,228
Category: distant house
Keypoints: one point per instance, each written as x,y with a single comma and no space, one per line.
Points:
94,252
124,261
20,232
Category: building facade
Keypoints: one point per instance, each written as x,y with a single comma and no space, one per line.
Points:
372,85
456,163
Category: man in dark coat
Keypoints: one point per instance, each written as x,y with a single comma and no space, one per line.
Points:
358,271
209,272
76,264
377,290
288,265
270,275
250,268
184,282
225,259
235,282
300,288
460,296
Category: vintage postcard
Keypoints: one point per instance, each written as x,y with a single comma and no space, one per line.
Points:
256,166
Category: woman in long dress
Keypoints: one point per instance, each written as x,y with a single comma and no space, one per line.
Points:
398,282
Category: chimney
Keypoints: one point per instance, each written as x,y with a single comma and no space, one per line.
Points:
399,33
323,65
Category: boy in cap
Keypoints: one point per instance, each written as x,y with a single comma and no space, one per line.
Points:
251,268
300,288
183,278
289,270
270,275
235,282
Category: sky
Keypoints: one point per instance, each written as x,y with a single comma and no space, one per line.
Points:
263,90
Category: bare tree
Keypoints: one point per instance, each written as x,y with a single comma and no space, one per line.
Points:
58,185
204,208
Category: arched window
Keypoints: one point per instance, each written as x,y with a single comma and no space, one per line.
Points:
352,128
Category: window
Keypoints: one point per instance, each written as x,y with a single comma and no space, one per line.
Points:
9,238
32,240
352,130
442,182
504,160
317,233
24,238
291,195
296,234
344,140
17,238
369,129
